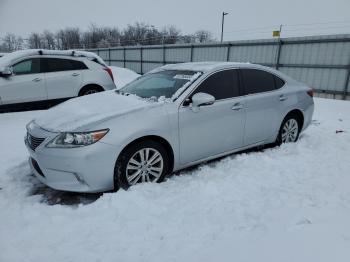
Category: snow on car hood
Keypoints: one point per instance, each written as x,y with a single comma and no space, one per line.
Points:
79,112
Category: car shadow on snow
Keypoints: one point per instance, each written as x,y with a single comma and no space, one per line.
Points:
55,197
51,196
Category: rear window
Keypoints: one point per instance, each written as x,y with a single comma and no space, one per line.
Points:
257,81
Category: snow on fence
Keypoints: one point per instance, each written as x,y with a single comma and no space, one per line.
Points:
323,62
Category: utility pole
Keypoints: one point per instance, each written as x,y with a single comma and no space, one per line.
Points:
222,25
280,31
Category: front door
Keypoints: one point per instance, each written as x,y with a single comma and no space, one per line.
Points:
26,84
215,128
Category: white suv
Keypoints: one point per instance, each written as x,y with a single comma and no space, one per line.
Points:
33,78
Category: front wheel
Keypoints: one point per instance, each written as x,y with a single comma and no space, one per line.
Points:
146,161
289,131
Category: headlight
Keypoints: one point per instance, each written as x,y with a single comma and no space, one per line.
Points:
68,139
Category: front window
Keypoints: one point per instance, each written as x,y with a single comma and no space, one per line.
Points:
161,84
29,66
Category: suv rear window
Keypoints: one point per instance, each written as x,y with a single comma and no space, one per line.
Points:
59,64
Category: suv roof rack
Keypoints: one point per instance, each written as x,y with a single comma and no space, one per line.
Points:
74,53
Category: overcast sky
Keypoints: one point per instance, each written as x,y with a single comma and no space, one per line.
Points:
246,19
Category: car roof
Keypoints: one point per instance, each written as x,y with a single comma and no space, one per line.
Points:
14,56
209,66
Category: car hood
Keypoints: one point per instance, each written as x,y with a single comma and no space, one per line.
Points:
80,113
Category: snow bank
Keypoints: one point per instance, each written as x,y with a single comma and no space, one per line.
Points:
123,76
284,204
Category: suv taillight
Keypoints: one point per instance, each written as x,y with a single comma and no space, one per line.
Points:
310,92
109,71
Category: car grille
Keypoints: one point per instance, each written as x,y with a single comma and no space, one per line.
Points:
33,141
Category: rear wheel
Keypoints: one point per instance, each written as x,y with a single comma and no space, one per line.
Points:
88,90
290,130
146,161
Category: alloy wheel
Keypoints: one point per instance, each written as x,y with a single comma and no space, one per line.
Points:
146,165
290,131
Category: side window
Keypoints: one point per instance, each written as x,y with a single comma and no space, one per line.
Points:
78,65
221,85
28,66
278,82
257,81
57,64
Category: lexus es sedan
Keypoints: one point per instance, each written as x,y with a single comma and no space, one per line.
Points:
170,118
38,78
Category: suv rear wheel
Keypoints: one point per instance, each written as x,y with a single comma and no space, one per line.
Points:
88,90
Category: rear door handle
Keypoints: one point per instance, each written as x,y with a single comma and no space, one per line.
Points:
283,98
37,79
75,74
237,107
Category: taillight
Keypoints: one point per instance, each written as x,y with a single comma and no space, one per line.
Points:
109,71
310,92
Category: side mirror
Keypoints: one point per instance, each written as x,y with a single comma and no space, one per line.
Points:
6,71
201,99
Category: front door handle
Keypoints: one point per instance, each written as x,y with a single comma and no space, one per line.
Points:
75,74
283,98
37,79
237,107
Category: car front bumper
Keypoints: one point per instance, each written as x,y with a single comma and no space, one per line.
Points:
82,169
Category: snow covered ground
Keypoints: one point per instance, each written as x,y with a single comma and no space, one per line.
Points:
282,204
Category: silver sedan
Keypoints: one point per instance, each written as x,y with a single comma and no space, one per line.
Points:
171,118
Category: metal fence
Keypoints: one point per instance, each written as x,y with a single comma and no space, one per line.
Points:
323,62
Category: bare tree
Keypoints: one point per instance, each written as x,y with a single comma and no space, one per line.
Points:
203,36
68,38
11,43
102,36
34,41
171,35
48,40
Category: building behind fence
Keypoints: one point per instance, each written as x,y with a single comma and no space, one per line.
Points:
322,62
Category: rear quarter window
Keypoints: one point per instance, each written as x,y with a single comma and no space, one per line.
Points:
278,82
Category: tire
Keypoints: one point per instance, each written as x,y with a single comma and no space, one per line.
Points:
89,90
131,169
289,130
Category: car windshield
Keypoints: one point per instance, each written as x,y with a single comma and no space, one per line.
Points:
161,84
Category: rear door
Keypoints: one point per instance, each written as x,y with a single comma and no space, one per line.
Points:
26,84
63,77
262,105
